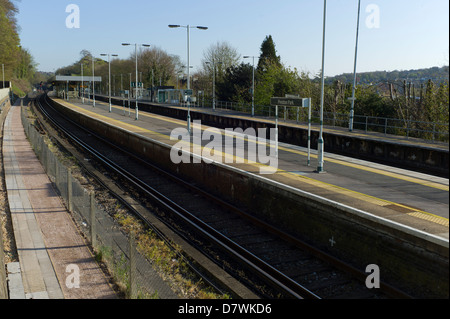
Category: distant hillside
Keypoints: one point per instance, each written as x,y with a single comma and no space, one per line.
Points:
436,74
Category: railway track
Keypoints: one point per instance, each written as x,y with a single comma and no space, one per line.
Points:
283,266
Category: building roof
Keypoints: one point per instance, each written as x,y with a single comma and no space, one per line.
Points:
86,78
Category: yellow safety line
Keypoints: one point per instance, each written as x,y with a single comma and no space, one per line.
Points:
354,194
430,217
376,171
371,199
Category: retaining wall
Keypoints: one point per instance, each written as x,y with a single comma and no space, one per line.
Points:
4,93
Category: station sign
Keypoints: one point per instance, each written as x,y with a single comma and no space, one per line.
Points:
289,101
286,101
140,84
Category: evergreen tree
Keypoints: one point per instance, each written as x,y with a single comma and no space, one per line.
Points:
268,56
236,84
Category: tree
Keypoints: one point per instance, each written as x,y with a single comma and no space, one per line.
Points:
10,10
268,56
369,102
223,56
19,64
236,84
286,82
9,39
265,84
26,66
217,59
156,65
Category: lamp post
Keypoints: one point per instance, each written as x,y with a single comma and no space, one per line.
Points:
93,81
321,142
129,101
114,85
109,81
121,93
188,27
136,45
352,108
82,84
253,84
3,72
214,81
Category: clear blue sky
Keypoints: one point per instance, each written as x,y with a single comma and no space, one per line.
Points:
411,33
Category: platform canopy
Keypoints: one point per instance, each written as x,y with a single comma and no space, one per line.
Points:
65,78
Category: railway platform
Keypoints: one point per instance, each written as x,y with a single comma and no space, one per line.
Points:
54,260
413,199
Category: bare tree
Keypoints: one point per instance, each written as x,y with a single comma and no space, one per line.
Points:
222,55
157,66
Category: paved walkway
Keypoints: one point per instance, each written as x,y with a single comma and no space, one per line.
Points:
54,260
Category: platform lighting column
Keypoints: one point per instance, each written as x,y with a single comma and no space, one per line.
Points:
129,101
109,80
3,72
114,85
253,84
82,83
321,142
352,108
214,82
153,87
122,95
188,27
93,81
137,84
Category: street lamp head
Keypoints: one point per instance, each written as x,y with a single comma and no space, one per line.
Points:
202,28
125,44
246,56
103,54
174,26
114,55
146,45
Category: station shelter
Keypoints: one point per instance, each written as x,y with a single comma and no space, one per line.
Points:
174,96
67,86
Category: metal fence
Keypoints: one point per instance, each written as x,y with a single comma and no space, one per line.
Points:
132,270
408,128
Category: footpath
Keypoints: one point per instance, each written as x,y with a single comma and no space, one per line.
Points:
54,259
